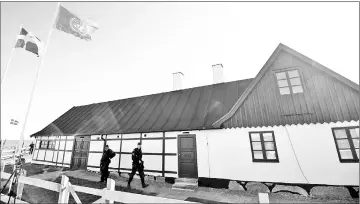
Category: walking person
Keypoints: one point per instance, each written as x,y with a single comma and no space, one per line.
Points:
137,165
104,163
31,148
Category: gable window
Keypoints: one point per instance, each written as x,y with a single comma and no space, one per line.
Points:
347,143
289,82
263,146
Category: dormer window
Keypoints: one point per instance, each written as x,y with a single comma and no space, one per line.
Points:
289,82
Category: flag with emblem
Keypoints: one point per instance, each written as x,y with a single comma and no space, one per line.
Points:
69,23
29,42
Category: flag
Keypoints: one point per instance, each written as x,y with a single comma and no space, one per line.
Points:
71,24
14,122
30,42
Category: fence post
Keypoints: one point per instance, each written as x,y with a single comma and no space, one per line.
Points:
64,190
110,186
20,186
263,198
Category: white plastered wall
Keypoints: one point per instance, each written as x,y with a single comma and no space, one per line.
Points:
307,154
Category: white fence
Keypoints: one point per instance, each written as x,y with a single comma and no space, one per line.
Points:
108,194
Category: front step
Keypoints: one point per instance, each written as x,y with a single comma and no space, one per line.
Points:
187,184
186,180
184,186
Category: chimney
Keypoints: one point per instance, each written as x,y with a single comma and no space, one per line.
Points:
178,81
218,75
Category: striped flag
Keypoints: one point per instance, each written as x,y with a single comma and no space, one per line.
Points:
14,122
30,42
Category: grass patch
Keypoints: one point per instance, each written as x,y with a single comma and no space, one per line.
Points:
31,169
53,169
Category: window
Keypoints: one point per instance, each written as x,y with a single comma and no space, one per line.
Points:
289,82
43,144
347,143
263,147
47,144
51,145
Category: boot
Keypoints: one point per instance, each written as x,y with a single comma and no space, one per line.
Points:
143,182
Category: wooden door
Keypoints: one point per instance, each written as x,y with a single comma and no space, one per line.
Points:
187,158
80,152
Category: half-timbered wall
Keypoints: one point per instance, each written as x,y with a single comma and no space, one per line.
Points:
158,149
58,155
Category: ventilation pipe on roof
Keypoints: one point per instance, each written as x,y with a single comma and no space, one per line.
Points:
178,81
218,75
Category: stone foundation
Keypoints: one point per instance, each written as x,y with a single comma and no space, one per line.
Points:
330,191
292,189
233,185
255,187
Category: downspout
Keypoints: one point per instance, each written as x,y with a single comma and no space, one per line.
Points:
104,142
207,144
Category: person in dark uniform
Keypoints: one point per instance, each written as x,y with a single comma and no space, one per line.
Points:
137,165
31,148
104,163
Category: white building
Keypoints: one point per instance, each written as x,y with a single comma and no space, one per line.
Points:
296,122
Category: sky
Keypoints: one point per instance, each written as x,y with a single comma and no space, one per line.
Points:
139,45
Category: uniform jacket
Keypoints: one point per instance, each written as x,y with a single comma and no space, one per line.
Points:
136,156
107,155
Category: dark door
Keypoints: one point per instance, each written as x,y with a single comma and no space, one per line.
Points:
187,156
81,152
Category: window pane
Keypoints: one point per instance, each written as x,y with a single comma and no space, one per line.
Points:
354,133
258,155
295,81
357,153
283,83
267,136
284,91
269,146
346,154
343,144
356,143
256,146
255,136
270,155
293,73
340,133
297,89
280,75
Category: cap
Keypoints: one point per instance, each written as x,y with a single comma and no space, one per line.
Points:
139,143
106,145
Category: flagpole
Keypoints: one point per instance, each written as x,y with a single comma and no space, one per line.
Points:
37,77
12,51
